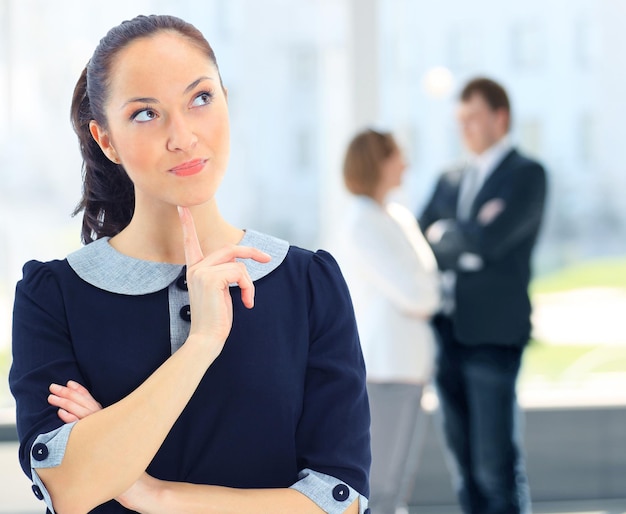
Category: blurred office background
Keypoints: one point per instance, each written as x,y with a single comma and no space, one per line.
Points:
303,76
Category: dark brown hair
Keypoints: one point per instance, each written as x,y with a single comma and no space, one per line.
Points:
364,157
492,92
108,198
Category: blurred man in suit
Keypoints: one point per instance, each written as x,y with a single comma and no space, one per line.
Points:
482,222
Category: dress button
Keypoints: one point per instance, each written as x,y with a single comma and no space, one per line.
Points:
341,492
185,313
40,451
181,283
37,492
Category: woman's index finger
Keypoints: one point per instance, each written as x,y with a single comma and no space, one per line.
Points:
193,252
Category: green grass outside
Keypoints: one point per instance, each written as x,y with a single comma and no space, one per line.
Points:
596,273
551,362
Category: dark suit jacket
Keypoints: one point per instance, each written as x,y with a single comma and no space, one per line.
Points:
492,304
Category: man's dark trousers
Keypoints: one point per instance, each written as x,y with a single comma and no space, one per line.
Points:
476,388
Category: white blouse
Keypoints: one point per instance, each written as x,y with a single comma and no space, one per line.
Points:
392,275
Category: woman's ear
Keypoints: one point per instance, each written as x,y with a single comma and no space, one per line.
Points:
101,137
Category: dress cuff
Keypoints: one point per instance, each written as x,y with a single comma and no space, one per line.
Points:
47,452
329,493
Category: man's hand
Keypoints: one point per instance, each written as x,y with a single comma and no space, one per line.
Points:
490,211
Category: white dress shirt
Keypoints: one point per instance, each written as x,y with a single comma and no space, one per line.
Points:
392,275
486,162
483,165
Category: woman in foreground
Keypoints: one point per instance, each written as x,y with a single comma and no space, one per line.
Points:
177,363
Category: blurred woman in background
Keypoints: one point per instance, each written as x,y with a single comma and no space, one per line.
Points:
392,276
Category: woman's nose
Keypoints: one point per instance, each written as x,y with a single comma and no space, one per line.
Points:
181,135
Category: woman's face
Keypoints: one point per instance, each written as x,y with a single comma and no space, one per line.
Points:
392,170
167,121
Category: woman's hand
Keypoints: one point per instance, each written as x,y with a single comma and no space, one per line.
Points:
208,280
73,400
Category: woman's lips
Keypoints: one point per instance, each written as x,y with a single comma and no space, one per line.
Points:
189,168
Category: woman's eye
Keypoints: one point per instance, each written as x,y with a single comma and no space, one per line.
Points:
203,98
144,115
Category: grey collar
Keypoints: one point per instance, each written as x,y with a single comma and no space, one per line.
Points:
104,267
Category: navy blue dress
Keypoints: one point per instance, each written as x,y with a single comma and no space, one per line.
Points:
287,393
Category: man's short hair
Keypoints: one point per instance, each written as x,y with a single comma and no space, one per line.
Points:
492,92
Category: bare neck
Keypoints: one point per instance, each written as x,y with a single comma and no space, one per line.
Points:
155,234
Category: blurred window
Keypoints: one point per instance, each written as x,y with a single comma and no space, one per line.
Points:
303,148
303,64
587,44
528,46
465,48
530,136
586,138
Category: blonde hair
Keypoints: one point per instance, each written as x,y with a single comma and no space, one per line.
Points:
364,157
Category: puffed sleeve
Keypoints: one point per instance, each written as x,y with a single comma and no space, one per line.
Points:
42,354
333,432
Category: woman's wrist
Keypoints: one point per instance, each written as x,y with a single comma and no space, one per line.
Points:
209,346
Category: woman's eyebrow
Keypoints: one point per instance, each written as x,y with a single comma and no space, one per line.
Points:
195,83
142,99
150,100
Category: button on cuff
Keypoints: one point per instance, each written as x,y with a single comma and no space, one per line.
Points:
41,493
37,492
341,492
40,452
49,448
329,493
52,445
